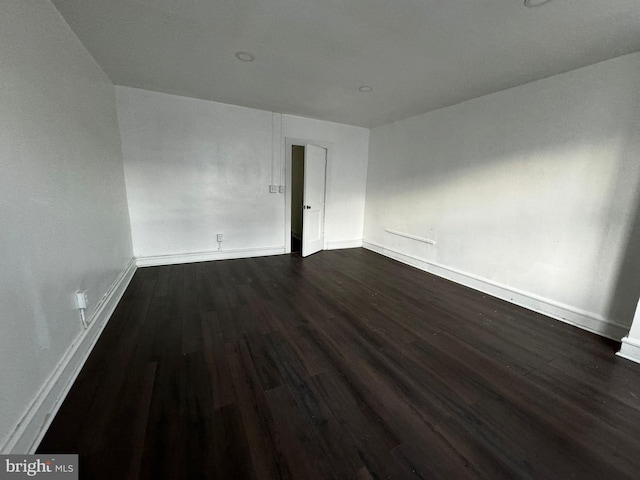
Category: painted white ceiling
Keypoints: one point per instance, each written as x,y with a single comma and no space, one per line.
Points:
312,55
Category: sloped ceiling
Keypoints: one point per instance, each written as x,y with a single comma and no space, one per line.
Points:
312,55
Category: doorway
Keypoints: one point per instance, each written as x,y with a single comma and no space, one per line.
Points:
307,201
297,196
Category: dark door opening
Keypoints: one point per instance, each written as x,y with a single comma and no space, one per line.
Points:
297,196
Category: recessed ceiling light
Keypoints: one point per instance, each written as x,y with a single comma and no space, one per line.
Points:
245,56
535,3
365,88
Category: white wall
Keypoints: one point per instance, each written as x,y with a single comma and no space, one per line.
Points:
348,154
196,168
530,193
62,199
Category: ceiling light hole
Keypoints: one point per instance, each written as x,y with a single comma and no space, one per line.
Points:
365,88
245,56
535,3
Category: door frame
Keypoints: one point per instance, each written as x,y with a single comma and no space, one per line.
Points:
289,142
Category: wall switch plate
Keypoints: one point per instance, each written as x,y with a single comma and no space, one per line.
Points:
273,189
219,237
81,299
281,187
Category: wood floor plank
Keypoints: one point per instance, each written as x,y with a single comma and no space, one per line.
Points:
301,339
266,445
372,440
344,364
217,363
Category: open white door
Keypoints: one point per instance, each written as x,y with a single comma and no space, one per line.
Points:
315,164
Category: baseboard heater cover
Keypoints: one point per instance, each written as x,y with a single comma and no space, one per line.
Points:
412,237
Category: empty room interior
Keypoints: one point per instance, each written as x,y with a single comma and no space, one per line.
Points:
305,239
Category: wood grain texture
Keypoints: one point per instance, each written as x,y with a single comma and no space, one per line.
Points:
343,365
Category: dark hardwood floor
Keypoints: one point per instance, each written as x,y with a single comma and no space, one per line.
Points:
343,365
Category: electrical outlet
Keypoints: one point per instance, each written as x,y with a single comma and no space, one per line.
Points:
219,237
81,299
281,188
273,188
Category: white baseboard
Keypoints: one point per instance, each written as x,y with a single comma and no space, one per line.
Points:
35,422
174,259
566,313
630,349
339,244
